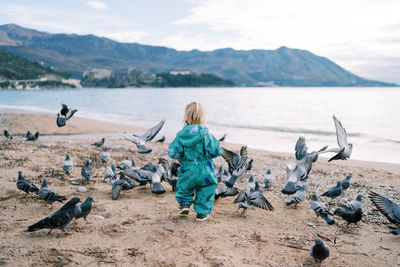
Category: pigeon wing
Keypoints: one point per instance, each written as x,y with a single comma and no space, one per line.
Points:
390,209
258,200
231,158
149,134
300,148
340,133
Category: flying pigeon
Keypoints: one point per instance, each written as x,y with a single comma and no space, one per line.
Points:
301,150
141,140
390,209
293,183
344,150
83,209
319,251
49,195
67,165
26,185
320,210
350,216
7,134
268,179
223,190
32,137
355,203
64,115
99,143
121,184
346,182
237,164
110,173
58,219
252,196
105,155
222,139
161,140
87,171
334,192
298,197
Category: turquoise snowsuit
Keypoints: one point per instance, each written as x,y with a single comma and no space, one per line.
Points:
195,148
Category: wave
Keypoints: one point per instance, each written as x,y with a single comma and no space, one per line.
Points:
32,109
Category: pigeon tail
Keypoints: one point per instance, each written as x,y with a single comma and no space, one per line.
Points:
231,181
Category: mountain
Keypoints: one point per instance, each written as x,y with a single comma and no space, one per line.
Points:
77,53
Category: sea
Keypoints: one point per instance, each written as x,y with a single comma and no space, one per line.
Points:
270,118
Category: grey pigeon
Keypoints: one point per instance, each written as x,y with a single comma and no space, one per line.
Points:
349,215
59,219
32,137
141,140
105,155
301,150
87,171
389,208
355,203
224,190
65,114
67,164
268,179
222,139
319,251
110,173
298,197
237,164
99,143
334,192
83,209
26,185
161,140
320,210
293,182
171,172
252,196
134,173
345,148
155,174
346,182
121,184
49,195
7,134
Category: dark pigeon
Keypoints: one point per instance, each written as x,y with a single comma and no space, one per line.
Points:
67,112
32,137
49,195
67,164
83,209
121,184
355,203
99,143
252,197
390,209
346,182
141,140
87,171
222,139
350,216
319,251
334,192
26,185
7,134
58,220
321,211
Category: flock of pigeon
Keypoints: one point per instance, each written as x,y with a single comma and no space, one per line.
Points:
129,176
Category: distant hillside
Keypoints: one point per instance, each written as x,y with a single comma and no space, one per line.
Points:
13,67
76,54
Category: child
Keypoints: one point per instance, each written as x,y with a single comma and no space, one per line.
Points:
195,148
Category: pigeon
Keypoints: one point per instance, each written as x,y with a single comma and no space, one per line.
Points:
61,121
59,219
105,155
268,179
67,165
26,185
223,190
319,251
298,197
121,184
253,197
320,210
237,164
346,182
249,165
83,209
99,143
125,162
64,115
133,172
390,209
334,192
141,140
110,173
49,195
345,149
222,139
349,215
301,150
7,134
87,171
354,204
171,172
161,140
293,183
32,137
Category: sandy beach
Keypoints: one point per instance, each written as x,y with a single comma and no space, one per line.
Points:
143,229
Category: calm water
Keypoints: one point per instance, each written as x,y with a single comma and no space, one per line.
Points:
264,118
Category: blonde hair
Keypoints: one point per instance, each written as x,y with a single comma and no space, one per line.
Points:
195,114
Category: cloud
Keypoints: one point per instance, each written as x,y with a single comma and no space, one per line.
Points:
96,5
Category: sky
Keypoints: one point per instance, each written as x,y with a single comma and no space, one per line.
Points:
362,36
